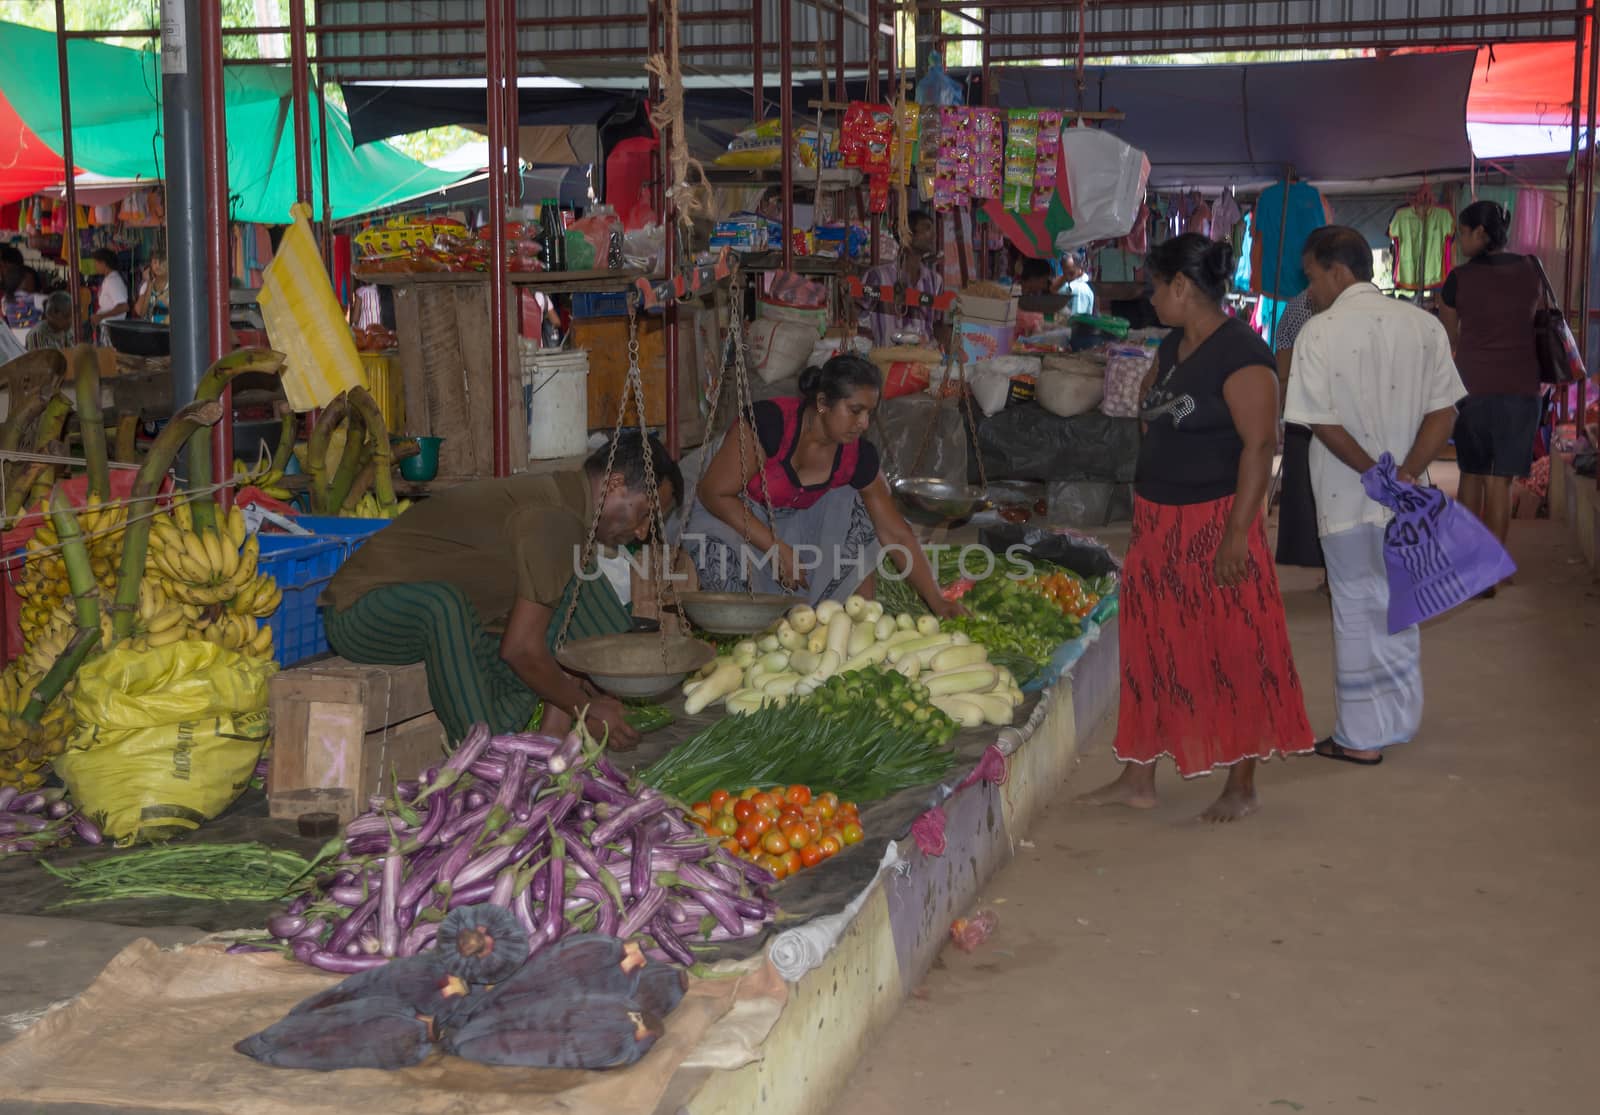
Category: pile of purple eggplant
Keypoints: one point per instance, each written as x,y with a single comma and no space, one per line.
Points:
38,820
545,827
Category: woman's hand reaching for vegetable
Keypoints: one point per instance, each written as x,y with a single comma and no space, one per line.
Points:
1233,559
947,609
789,572
607,720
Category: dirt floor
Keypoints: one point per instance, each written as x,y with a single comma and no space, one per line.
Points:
1414,939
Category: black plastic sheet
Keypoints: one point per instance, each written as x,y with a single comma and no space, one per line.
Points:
1027,442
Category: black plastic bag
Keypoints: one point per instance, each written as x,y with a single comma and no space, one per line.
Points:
1085,556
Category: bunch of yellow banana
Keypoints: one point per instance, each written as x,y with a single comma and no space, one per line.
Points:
269,481
26,749
46,645
259,598
203,567
368,507
240,633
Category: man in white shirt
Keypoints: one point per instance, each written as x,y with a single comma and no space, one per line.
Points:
1372,375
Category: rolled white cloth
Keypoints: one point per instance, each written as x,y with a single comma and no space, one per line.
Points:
794,952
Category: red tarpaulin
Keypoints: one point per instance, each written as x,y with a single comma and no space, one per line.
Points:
26,164
1520,83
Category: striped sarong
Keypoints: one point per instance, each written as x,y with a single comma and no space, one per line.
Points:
434,623
1377,676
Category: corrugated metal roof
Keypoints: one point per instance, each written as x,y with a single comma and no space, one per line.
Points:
592,34
1117,27
609,36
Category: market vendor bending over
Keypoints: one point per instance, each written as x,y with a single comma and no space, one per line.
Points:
475,581
832,513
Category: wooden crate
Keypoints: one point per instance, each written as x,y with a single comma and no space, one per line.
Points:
606,338
342,731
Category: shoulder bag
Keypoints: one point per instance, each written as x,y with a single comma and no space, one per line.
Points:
1560,359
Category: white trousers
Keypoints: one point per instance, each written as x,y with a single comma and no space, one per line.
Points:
1377,676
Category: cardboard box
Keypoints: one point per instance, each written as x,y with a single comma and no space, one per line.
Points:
343,731
984,341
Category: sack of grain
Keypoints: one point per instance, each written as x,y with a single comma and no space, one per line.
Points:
1071,385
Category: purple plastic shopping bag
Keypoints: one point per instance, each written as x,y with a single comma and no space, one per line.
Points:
1437,553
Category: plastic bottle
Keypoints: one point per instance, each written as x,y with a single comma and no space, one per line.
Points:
552,236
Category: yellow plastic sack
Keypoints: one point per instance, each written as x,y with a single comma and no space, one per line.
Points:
305,323
167,738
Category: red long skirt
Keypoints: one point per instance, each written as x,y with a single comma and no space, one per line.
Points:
1208,678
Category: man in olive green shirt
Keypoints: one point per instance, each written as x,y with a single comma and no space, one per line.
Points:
475,581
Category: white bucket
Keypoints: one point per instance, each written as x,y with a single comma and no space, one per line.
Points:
555,393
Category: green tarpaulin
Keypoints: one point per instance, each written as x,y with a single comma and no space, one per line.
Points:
116,128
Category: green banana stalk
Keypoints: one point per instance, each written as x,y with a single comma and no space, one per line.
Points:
75,554
382,455
91,422
317,450
221,373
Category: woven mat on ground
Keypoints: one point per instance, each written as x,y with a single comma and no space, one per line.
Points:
156,1030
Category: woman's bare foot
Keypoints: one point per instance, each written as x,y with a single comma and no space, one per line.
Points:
1238,798
1135,787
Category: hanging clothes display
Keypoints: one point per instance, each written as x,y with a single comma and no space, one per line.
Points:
1422,237
1224,215
1279,236
1243,245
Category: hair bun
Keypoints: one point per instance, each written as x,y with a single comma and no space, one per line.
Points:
810,380
1219,261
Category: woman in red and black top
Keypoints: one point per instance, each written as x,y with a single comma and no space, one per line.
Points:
832,514
1489,306
1208,679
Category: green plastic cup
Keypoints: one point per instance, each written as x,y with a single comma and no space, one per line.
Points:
425,465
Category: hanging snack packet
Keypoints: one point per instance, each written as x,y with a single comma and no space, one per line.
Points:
988,149
1022,135
1047,147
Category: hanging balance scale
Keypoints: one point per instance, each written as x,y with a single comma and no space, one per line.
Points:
747,612
638,664
928,500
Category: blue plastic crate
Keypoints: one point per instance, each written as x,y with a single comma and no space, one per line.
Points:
348,533
302,567
591,304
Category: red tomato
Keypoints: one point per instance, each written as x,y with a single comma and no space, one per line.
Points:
711,830
829,799
798,836
748,837
797,795
791,862
730,846
774,864
852,833
829,846
719,798
743,811
760,823
811,855
774,843
764,801
825,811
702,809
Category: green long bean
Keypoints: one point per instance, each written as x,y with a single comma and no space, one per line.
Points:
208,872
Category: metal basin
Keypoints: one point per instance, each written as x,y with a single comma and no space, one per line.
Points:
631,665
937,502
735,613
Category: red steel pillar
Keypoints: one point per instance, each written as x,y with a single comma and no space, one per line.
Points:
494,40
219,249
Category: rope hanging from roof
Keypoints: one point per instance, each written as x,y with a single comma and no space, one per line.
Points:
687,200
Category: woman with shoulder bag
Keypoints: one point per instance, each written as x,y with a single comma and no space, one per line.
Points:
1489,307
